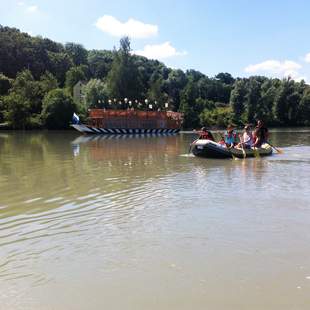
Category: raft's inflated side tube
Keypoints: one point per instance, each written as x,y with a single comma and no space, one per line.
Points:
211,149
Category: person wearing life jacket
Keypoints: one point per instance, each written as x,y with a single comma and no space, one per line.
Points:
230,137
260,134
222,142
205,134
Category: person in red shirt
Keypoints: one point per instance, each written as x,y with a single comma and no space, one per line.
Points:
205,134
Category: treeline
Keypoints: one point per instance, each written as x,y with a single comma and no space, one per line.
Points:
37,77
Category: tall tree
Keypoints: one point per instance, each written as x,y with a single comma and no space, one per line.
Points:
188,105
29,89
100,63
287,102
124,80
5,84
155,92
77,53
304,108
225,78
252,98
173,86
59,64
237,99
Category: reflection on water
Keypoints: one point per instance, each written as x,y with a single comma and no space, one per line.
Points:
89,219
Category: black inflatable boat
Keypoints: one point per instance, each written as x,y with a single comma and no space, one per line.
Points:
211,149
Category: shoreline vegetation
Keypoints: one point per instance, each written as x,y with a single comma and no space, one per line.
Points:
39,77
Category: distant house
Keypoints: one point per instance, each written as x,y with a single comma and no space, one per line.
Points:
77,92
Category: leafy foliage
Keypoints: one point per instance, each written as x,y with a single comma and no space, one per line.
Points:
5,84
58,108
17,112
32,68
73,75
123,79
96,94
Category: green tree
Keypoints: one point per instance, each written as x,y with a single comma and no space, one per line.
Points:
188,105
18,111
173,86
225,78
268,95
74,75
304,108
59,64
58,108
2,109
47,82
5,84
155,92
219,117
96,94
29,89
100,63
77,53
123,79
237,99
286,103
194,75
252,98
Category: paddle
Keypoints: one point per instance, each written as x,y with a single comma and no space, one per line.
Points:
278,150
256,153
243,151
190,146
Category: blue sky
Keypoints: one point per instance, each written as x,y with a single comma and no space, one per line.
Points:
238,36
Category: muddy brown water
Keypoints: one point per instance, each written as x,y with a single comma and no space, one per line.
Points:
135,223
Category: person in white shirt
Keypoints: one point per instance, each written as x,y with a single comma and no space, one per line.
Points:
247,137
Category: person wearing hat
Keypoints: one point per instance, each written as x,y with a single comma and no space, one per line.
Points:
230,137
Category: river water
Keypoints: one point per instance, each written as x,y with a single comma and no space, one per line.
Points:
136,223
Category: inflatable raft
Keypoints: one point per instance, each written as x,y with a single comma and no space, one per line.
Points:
211,149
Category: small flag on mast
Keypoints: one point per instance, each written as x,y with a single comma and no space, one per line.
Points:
75,119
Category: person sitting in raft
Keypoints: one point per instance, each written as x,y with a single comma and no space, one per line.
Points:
260,134
230,137
205,134
247,138
222,142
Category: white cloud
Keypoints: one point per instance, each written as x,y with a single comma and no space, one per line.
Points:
276,68
307,57
21,3
159,51
300,78
132,28
32,9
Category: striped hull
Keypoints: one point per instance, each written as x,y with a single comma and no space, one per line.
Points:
122,131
